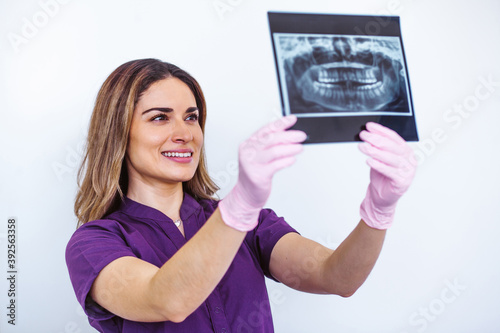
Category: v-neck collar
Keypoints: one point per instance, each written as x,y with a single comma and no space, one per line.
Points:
188,213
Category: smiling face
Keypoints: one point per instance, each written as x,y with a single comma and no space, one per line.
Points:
165,139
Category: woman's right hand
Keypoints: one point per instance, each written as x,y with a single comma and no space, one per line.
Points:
267,151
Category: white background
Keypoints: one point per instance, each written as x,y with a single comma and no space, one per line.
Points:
440,257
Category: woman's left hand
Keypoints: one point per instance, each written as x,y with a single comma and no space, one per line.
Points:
393,167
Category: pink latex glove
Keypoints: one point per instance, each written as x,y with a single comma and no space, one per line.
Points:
267,151
393,166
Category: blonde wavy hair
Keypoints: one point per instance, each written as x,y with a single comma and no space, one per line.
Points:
102,177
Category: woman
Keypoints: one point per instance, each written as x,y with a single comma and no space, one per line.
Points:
154,252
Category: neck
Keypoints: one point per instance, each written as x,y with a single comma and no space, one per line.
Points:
165,197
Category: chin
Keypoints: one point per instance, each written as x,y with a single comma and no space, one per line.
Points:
179,178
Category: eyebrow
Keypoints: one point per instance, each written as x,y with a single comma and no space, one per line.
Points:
188,110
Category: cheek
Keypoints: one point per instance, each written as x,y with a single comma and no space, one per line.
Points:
198,136
141,143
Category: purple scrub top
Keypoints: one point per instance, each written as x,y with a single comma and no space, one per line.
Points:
239,303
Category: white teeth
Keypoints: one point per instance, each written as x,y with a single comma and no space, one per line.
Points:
176,154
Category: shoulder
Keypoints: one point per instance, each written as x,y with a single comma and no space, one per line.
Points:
95,238
268,218
93,228
265,236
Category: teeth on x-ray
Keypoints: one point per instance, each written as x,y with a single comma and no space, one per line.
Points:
348,73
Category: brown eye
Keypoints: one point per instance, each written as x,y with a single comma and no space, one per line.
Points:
159,117
193,117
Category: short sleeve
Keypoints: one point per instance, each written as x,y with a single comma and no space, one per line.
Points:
91,248
264,237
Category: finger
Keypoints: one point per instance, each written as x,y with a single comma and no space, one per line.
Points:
285,137
405,164
383,156
283,123
265,140
380,155
280,164
385,131
388,171
281,151
258,145
279,125
383,142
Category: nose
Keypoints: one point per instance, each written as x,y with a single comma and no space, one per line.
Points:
181,132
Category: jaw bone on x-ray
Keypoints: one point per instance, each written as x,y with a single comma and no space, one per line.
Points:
336,76
344,73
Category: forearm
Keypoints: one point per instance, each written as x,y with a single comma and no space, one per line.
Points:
188,278
351,263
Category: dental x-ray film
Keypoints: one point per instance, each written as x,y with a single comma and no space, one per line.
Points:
338,72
